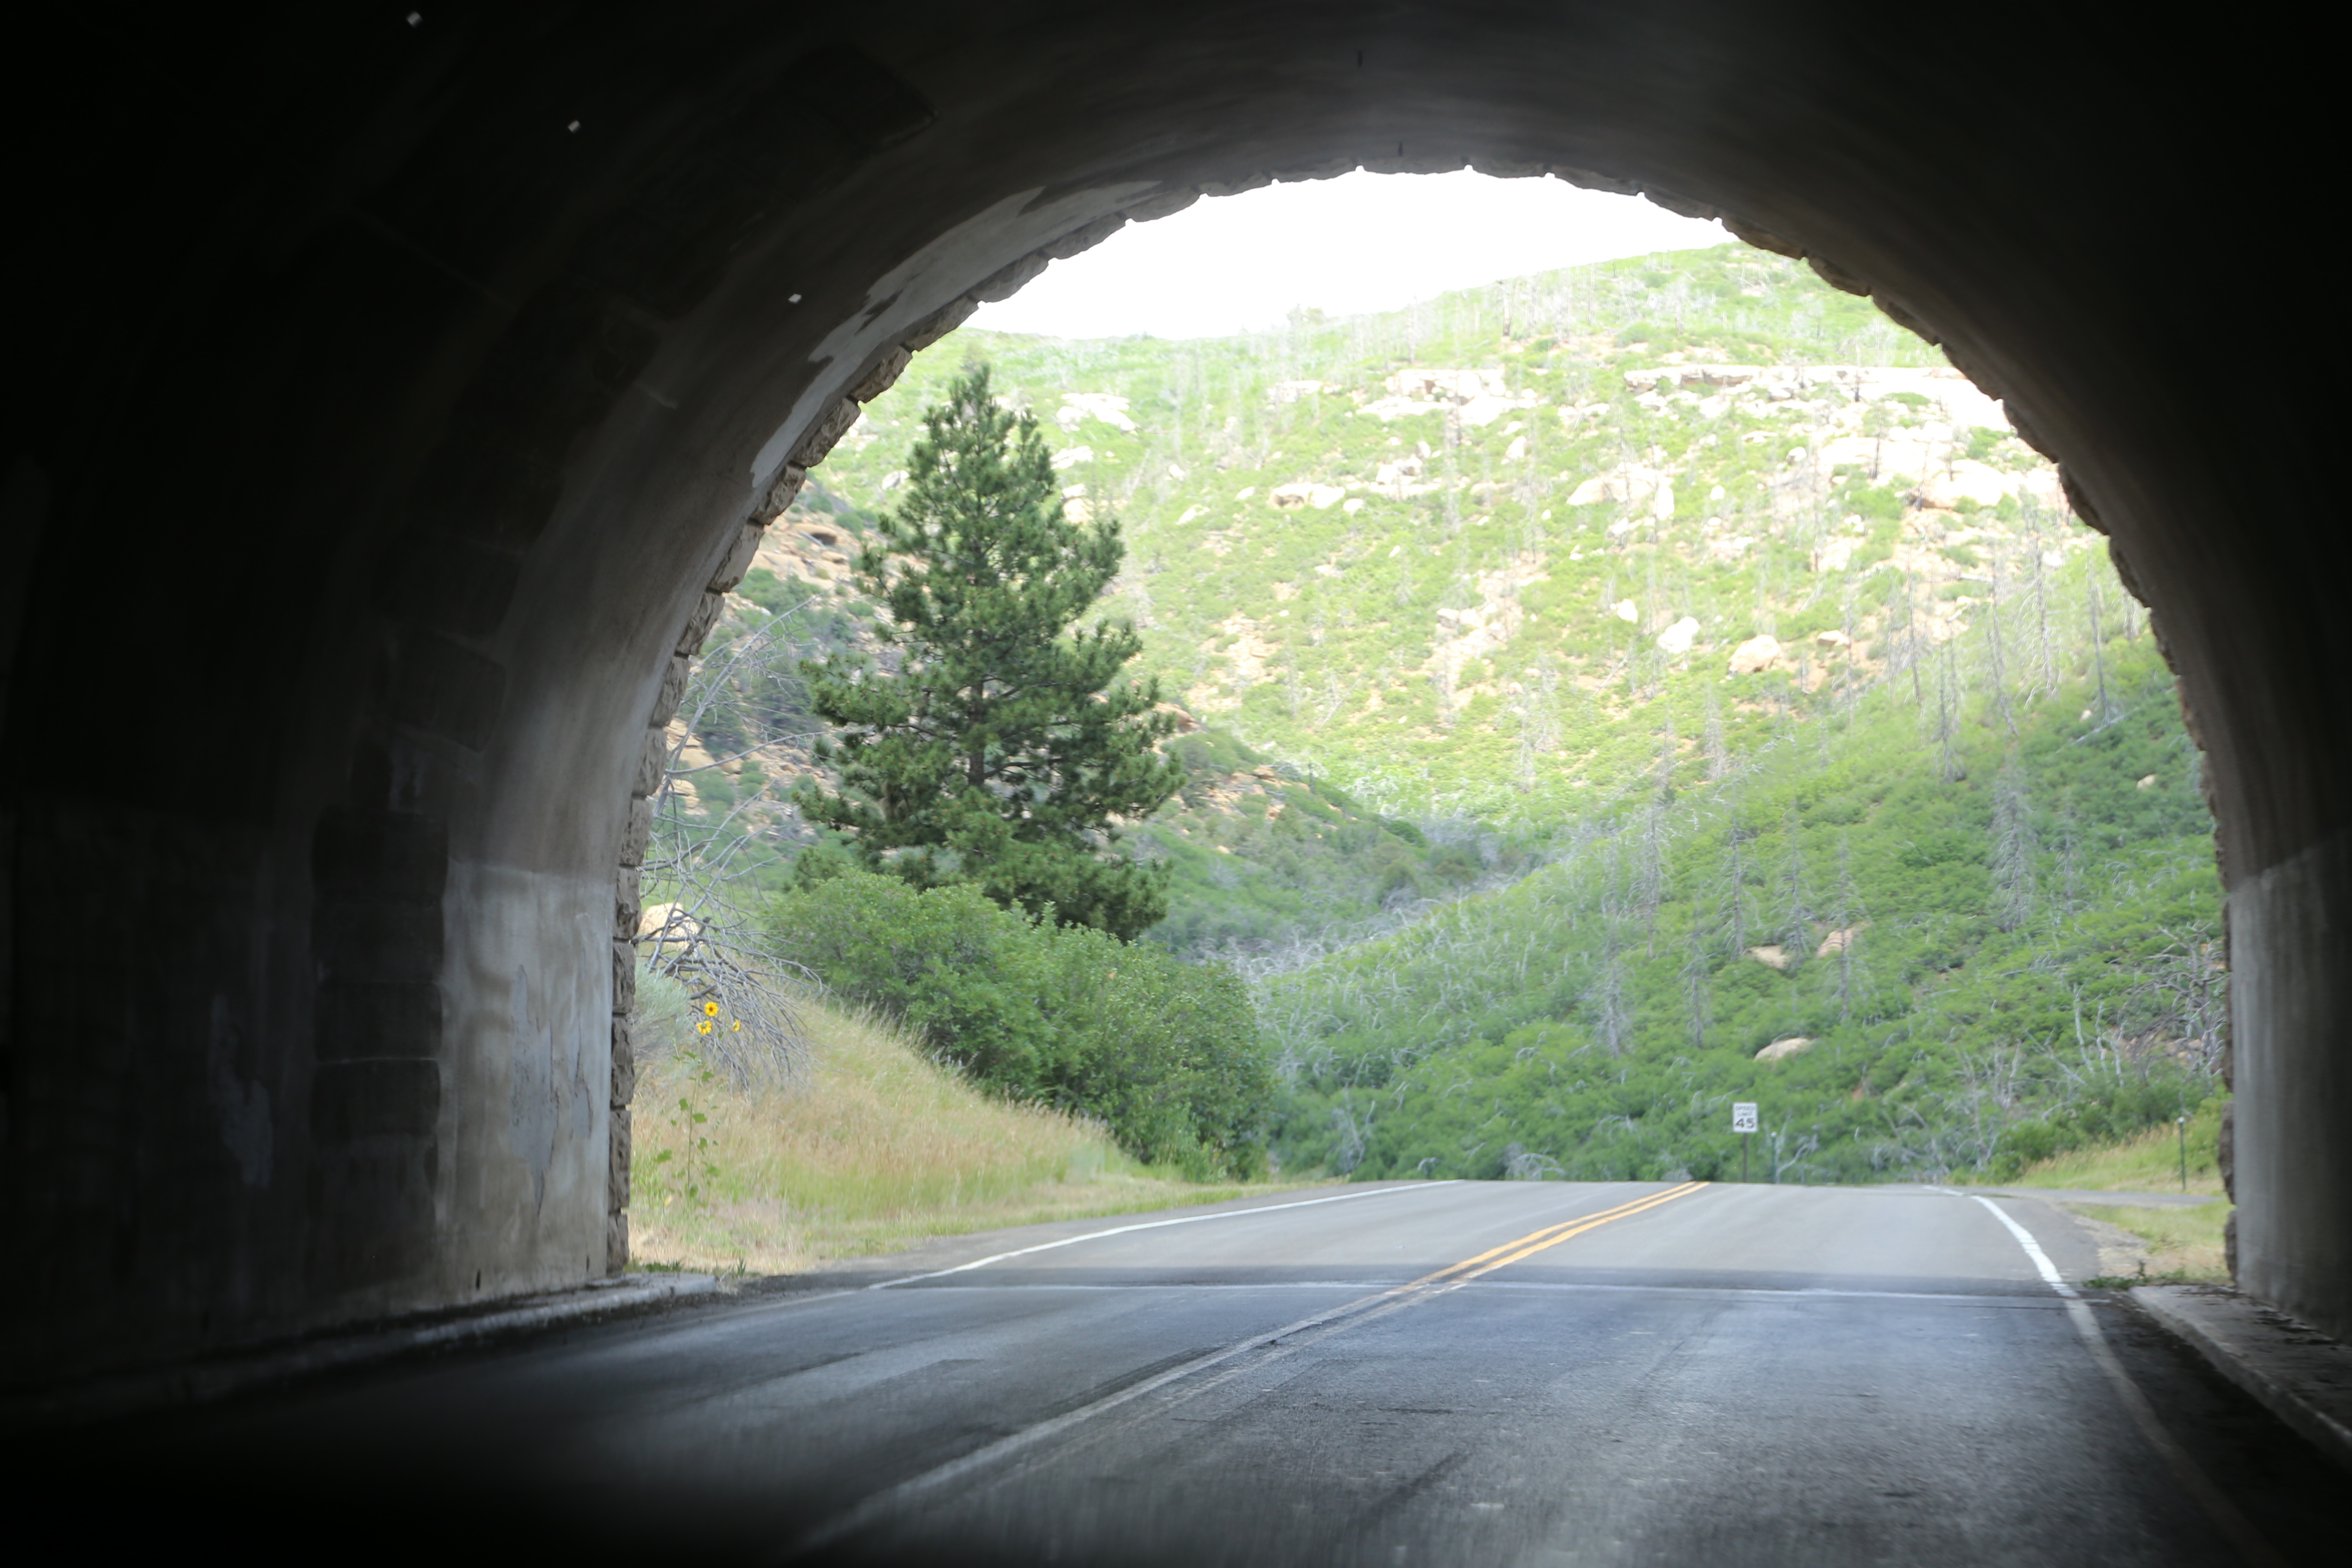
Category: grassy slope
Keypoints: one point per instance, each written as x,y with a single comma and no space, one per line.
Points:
2184,1246
1598,1019
873,1147
2149,1163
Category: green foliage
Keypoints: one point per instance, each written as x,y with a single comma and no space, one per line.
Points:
1437,643
1001,748
1167,1054
1499,860
683,1172
1263,857
1990,970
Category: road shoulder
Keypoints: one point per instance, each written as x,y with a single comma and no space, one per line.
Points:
2301,1376
241,1370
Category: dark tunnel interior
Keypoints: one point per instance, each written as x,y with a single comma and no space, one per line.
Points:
466,352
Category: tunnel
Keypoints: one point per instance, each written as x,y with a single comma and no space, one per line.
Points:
396,389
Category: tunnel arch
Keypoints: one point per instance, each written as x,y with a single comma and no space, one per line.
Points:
454,360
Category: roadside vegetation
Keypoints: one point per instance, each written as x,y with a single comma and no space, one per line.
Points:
1165,1055
1917,963
2147,1161
869,1145
994,1051
2181,1245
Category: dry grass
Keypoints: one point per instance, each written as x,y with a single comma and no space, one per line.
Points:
874,1149
2184,1244
2148,1163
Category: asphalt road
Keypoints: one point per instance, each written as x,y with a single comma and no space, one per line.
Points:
1539,1373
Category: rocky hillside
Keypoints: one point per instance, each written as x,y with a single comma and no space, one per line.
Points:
1485,559
1484,565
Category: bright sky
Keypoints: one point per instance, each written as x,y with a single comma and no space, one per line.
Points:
1361,242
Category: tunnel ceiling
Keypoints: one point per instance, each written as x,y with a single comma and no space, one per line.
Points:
657,186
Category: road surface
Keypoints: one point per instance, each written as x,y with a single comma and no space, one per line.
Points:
1441,1372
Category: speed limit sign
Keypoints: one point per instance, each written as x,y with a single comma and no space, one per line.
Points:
1743,1117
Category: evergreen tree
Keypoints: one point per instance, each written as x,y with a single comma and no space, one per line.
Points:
1005,745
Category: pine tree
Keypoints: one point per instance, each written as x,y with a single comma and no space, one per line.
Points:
1006,744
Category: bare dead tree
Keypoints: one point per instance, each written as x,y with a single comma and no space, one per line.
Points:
699,868
2015,850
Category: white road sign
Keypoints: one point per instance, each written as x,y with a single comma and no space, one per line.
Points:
1743,1117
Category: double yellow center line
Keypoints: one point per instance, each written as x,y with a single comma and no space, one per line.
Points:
1223,1365
1535,1241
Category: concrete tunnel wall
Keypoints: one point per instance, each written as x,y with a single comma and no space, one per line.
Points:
390,398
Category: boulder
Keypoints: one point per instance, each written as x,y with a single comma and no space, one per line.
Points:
1485,410
1837,941
1078,407
1322,498
1965,481
1781,1050
1617,485
1460,384
669,926
1757,653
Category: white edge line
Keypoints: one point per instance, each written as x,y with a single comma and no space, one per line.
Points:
1155,1225
2232,1524
2055,1280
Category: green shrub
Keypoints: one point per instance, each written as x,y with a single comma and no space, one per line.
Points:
1166,1054
1878,503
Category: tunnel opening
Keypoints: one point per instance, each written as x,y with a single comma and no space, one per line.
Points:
551,325
1117,413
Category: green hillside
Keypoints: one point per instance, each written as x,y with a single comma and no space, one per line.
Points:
1912,964
1397,586
1604,678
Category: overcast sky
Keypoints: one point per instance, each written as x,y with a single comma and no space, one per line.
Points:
1359,242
